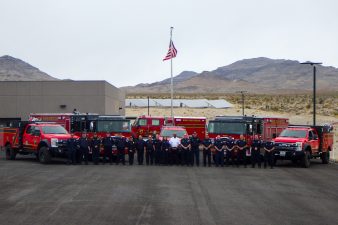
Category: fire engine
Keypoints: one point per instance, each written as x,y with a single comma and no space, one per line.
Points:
89,123
45,140
301,143
145,125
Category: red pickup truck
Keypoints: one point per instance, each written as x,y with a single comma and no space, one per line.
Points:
45,140
301,143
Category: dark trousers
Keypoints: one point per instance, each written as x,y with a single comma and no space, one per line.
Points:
165,157
149,157
84,152
96,155
120,157
108,154
220,158
241,157
72,156
255,158
196,156
190,157
184,157
228,156
269,158
140,156
157,156
207,157
131,157
173,156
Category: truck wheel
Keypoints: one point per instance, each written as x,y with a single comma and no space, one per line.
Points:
10,153
305,161
44,155
325,157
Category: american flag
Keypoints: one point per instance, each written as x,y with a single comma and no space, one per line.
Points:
172,52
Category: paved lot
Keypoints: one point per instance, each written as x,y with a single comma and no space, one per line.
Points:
31,193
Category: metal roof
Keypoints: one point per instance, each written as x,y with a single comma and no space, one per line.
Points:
190,103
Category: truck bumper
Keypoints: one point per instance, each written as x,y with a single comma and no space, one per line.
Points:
288,155
58,152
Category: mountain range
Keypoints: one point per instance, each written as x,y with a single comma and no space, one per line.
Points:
13,69
256,75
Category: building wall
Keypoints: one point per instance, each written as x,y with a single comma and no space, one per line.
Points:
19,98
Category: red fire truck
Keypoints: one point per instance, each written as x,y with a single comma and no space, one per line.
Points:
145,125
90,123
45,140
249,126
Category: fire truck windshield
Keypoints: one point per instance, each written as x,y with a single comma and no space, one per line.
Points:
226,128
293,133
54,130
113,126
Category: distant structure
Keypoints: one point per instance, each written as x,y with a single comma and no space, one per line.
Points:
189,103
20,98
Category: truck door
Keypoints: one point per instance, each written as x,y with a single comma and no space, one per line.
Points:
27,140
313,140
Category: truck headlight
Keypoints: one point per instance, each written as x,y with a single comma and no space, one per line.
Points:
54,142
299,146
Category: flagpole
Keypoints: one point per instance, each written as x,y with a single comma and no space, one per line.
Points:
172,80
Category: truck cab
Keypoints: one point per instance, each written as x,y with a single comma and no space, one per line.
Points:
301,143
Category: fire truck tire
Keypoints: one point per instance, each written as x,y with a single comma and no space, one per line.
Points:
10,153
325,157
305,161
44,155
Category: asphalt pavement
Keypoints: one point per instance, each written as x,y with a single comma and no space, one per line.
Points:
32,193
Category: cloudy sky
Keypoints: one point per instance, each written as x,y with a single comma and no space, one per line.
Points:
124,41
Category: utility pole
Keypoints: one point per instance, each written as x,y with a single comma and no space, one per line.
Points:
242,92
314,87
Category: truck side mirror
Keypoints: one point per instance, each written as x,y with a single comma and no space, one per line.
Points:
315,137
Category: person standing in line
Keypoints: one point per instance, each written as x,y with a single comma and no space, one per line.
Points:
219,146
131,150
256,152
140,147
269,156
207,144
95,147
165,148
174,143
71,148
108,143
241,154
195,143
185,152
121,145
83,146
157,153
150,148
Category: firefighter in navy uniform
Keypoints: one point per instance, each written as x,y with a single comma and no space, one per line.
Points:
121,145
269,155
185,151
158,146
241,154
95,147
83,146
195,143
207,144
150,148
140,145
71,149
256,152
131,150
108,143
219,147
165,148
230,153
